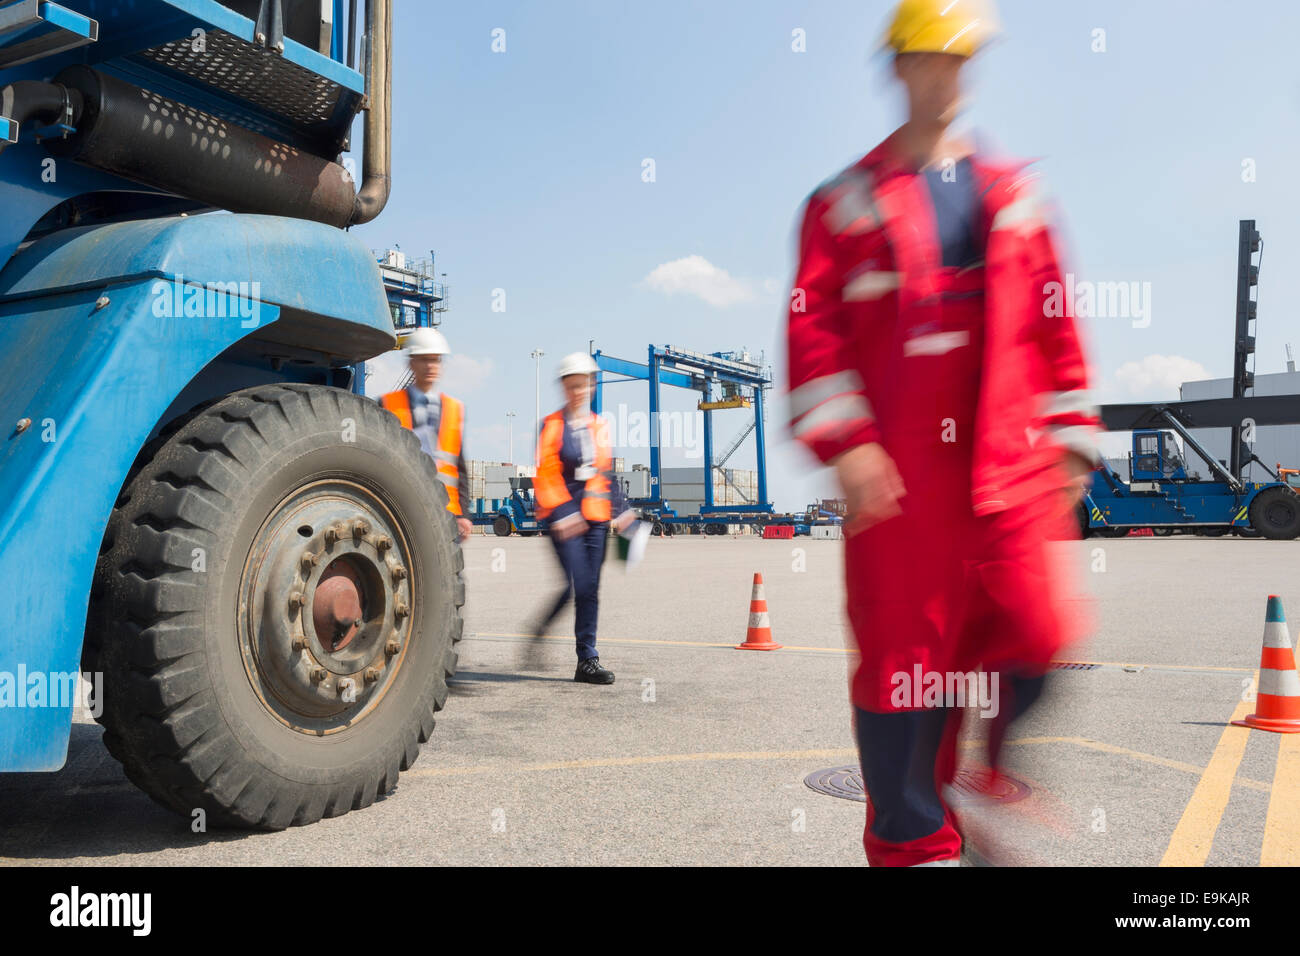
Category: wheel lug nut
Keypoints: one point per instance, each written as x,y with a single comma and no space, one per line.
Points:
331,535
383,543
372,674
318,673
392,647
399,572
307,561
300,642
360,529
347,686
296,600
400,610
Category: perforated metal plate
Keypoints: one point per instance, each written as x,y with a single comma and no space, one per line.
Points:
252,73
846,783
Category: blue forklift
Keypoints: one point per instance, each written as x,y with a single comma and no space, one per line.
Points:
1164,493
251,563
518,513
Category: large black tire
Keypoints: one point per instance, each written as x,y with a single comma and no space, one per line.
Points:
501,527
219,694
1085,530
1275,513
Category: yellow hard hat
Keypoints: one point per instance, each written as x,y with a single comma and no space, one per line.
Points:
941,26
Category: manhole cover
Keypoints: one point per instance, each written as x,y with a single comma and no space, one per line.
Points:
846,782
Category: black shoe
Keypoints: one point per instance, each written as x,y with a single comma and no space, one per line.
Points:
590,672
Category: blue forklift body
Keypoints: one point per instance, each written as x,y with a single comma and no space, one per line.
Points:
1163,493
110,330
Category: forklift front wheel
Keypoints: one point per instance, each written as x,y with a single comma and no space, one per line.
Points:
501,527
276,609
1275,513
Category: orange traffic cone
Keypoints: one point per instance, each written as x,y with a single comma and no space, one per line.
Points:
1277,706
759,635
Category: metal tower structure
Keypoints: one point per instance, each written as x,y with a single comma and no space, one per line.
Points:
724,380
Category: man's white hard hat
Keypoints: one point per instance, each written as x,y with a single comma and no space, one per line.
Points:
579,363
424,341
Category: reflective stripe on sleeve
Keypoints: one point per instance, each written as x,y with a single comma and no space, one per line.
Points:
842,409
870,285
1021,213
1078,401
852,210
936,343
806,397
1077,438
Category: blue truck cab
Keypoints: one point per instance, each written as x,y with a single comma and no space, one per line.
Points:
250,563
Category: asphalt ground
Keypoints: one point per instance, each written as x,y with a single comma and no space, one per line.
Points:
698,753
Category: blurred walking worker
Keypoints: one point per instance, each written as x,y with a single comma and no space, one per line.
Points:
437,419
925,368
577,498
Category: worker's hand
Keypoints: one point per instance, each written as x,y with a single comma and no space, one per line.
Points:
871,484
624,521
569,527
465,527
1079,470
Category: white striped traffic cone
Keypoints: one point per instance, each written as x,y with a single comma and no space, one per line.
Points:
1277,706
758,637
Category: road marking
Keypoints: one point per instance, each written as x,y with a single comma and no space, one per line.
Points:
1136,755
1282,826
831,754
846,650
1194,836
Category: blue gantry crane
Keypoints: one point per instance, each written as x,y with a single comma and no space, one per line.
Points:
725,380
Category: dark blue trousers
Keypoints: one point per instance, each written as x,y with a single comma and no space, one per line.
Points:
899,752
581,558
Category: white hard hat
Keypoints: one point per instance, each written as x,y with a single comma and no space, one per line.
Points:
424,341
579,363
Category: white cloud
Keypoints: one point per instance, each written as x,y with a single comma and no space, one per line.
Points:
1158,377
463,374
697,276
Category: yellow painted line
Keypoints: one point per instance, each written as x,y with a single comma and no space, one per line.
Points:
641,761
1126,752
1194,836
845,650
1282,826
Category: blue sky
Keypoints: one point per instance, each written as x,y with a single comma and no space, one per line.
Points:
523,170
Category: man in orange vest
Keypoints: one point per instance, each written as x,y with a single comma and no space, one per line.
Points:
437,419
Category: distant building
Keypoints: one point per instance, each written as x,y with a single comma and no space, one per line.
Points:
1274,444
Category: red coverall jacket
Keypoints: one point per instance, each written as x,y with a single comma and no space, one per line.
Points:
877,326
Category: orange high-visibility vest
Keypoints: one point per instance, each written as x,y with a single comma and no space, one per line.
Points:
449,439
555,483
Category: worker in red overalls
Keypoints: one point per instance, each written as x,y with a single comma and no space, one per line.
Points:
927,370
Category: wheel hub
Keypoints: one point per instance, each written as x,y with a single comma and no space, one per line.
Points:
336,608
325,606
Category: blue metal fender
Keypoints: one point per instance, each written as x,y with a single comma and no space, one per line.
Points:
92,352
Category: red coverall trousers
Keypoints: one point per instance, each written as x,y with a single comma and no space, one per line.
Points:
944,589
